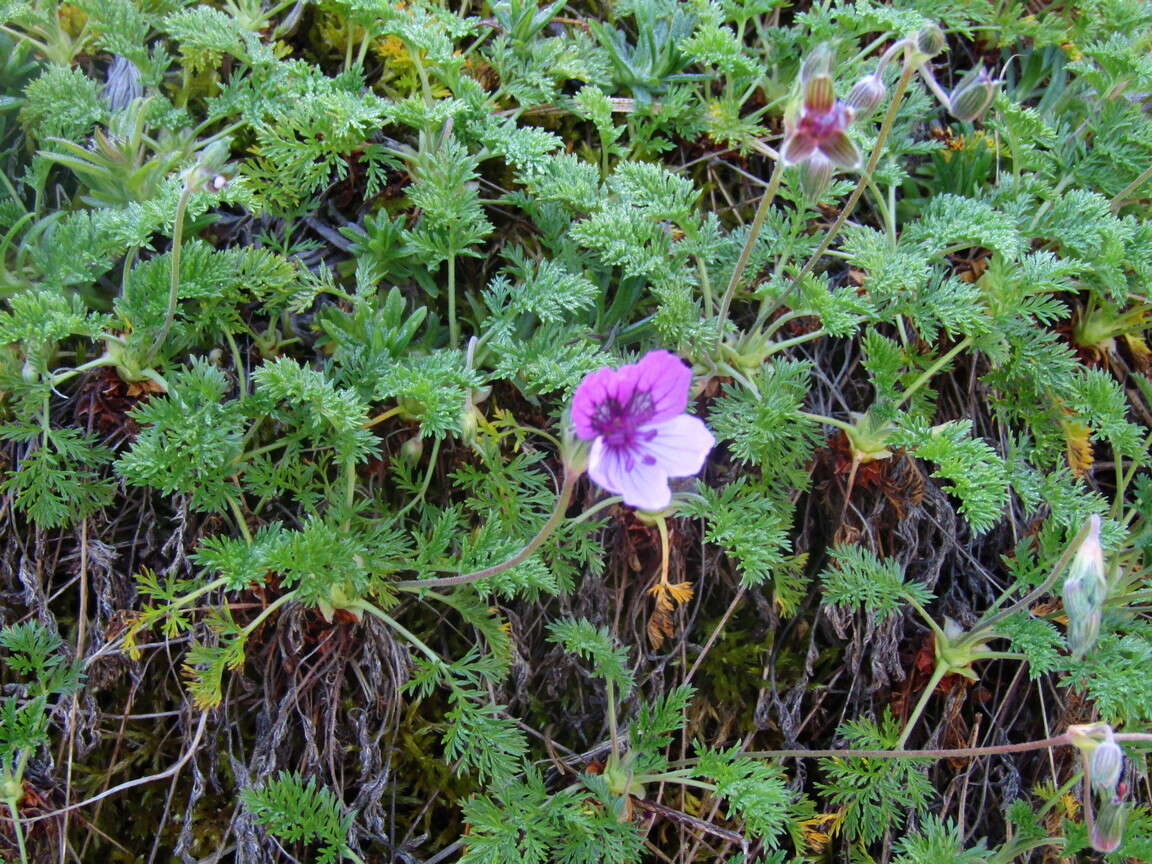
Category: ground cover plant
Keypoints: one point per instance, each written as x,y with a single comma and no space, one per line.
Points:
665,430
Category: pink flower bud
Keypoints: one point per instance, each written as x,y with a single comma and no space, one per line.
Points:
865,95
1108,827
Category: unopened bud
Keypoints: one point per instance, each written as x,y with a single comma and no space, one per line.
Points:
1108,827
1106,765
1084,592
469,423
815,176
123,84
866,94
930,40
412,449
574,452
972,95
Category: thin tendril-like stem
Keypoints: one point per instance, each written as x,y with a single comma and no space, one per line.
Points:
562,502
174,271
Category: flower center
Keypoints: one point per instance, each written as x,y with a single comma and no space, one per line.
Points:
619,423
820,125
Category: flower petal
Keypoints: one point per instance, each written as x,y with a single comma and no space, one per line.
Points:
667,379
797,147
841,150
593,390
679,446
641,483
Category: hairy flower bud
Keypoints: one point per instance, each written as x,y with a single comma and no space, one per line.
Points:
815,176
412,449
1084,592
1108,827
866,94
122,84
1106,765
817,63
972,95
930,40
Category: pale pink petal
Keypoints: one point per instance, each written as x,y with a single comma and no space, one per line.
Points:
642,484
667,379
593,390
679,446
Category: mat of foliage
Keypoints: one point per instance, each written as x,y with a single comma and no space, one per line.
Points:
296,295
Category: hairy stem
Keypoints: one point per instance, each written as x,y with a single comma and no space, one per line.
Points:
938,673
17,829
749,244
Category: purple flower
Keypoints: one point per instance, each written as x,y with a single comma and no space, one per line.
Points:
634,417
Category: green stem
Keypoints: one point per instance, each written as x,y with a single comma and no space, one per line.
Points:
594,509
1118,201
780,321
174,267
238,362
453,324
937,674
749,244
413,639
61,377
705,285
777,347
915,604
17,829
820,418
425,484
241,522
267,611
562,502
610,695
936,366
